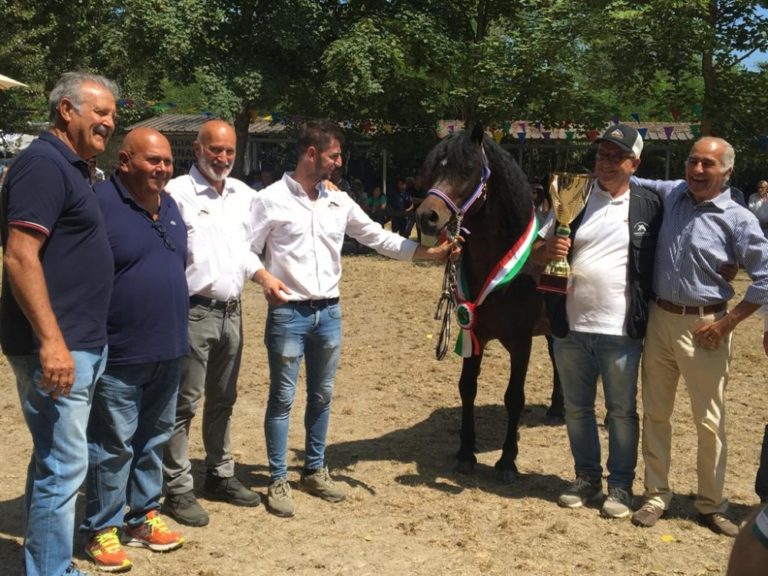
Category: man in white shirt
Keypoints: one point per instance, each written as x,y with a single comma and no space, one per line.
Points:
217,213
599,328
758,204
300,224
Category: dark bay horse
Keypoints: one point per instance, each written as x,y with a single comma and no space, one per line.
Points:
472,178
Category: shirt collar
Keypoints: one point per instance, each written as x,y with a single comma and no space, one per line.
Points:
623,197
202,185
65,150
129,199
720,201
298,190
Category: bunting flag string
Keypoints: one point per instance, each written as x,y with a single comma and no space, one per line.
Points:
520,131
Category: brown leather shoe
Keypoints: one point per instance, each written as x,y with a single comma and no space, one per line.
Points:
647,515
719,524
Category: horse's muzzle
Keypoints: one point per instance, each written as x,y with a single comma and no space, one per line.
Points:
428,221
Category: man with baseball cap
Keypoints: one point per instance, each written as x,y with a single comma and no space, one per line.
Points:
600,324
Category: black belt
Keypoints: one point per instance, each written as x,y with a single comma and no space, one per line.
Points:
313,304
684,310
228,306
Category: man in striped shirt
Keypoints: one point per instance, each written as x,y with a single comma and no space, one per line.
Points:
689,327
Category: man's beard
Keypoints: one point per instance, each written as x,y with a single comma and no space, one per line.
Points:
207,168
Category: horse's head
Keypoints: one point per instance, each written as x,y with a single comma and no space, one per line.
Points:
454,172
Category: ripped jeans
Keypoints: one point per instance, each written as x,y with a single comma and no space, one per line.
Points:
294,331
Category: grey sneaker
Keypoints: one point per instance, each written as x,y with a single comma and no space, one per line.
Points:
280,499
583,490
618,504
319,483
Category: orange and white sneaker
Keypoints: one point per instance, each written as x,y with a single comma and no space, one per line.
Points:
107,553
154,534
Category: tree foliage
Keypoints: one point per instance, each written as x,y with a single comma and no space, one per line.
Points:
407,62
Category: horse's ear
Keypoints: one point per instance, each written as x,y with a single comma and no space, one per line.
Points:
477,133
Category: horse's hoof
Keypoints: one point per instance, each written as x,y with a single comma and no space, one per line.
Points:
505,474
465,467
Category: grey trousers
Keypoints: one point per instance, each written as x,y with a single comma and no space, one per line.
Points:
212,367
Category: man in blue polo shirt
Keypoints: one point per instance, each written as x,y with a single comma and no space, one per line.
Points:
134,405
57,281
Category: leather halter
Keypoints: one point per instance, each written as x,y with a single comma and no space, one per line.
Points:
459,212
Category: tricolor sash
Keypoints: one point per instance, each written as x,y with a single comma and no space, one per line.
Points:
502,274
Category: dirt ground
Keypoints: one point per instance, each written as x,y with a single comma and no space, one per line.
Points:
394,431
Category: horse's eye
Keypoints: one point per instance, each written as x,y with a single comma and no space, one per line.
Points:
444,162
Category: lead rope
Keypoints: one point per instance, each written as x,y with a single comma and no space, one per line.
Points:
447,301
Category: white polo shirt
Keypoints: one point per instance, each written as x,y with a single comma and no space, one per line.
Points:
598,294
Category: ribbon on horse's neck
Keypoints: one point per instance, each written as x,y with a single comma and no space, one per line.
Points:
447,303
459,212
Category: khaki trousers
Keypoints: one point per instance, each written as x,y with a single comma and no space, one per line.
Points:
669,353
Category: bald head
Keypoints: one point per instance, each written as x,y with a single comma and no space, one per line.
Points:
215,151
214,128
140,138
146,162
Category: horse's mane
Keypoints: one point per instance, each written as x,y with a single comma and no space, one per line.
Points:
509,193
508,204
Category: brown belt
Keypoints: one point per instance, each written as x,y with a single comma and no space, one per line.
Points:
700,310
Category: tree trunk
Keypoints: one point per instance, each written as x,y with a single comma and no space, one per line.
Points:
242,122
710,77
708,73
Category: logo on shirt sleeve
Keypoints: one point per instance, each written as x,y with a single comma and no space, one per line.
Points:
640,229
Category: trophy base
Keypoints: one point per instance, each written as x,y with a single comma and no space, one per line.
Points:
552,283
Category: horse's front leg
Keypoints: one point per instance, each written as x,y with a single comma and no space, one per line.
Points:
514,402
468,391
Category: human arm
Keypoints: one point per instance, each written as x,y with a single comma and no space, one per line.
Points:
749,554
661,187
442,251
27,279
765,330
765,342
711,334
274,289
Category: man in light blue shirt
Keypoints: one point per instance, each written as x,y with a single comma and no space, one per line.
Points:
689,327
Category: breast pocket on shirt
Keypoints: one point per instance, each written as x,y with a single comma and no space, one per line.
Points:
334,225
196,234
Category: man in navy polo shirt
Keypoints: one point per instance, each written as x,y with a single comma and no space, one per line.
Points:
57,282
134,405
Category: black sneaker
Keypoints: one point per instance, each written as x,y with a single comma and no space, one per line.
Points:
185,509
229,490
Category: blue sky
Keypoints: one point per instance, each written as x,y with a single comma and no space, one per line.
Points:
752,61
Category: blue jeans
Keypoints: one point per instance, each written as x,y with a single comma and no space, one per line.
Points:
582,357
294,331
59,458
134,409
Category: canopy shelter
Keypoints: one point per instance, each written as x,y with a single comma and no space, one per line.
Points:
6,83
